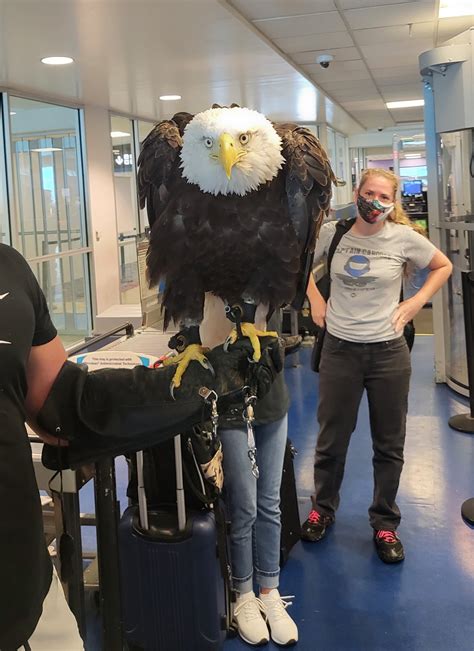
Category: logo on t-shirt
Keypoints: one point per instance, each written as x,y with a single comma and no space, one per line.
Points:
356,268
357,265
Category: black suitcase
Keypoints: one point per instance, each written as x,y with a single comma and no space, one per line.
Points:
175,583
290,518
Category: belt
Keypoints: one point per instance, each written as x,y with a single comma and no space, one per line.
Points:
371,344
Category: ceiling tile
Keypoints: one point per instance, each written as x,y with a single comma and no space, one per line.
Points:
396,74
408,115
301,25
364,105
398,92
344,70
338,66
449,27
314,42
339,54
394,14
374,119
354,94
399,33
358,4
392,55
347,86
275,8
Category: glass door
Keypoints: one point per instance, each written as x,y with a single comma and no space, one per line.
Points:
126,206
47,205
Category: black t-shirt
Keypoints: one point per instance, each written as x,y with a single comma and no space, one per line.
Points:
25,567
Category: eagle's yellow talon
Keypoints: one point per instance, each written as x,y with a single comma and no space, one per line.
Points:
249,330
192,352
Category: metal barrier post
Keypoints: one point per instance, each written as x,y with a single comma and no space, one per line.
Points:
465,422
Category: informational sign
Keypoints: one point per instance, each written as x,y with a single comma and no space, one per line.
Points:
114,359
123,158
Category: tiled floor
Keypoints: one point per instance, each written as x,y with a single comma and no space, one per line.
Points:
346,599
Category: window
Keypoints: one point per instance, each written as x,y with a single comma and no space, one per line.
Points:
4,222
126,206
48,216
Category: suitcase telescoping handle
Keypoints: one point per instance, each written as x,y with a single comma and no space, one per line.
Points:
142,503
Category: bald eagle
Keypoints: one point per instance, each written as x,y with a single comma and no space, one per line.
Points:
234,204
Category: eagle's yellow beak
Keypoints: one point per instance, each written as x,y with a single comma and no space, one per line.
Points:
228,154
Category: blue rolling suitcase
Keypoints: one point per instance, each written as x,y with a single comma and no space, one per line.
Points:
175,592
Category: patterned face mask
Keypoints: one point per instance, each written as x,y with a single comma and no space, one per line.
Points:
373,211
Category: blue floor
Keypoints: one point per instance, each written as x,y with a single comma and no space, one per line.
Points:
345,598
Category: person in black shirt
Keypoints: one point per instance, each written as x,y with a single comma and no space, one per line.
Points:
38,384
31,355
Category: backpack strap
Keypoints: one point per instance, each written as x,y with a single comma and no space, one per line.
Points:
342,227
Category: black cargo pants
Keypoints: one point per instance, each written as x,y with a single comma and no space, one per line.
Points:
383,369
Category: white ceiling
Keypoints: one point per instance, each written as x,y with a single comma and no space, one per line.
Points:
259,53
129,52
375,44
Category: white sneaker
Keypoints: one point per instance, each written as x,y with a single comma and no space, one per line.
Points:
282,628
249,618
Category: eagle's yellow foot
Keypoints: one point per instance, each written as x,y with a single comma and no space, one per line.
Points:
190,353
249,330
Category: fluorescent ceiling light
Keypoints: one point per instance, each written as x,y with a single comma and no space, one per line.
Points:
56,61
413,156
119,134
44,150
414,142
406,103
169,98
12,112
453,8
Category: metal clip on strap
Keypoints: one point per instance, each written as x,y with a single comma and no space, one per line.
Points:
210,397
248,416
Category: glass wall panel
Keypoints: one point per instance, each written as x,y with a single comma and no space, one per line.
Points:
4,220
126,205
47,193
65,282
48,214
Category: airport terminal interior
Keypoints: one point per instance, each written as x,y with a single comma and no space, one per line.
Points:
382,84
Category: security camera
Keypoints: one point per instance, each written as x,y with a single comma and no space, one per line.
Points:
380,129
324,60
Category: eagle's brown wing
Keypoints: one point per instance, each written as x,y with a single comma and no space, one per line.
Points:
158,164
308,181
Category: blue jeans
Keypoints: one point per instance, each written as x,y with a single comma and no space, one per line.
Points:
254,505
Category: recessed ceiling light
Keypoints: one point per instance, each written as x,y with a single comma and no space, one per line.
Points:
452,8
119,134
44,150
406,103
169,98
57,61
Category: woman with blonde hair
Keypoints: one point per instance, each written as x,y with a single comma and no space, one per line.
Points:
364,348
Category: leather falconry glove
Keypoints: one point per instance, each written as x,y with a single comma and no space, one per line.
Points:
113,411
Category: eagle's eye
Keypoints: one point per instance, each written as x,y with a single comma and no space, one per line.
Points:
208,142
244,138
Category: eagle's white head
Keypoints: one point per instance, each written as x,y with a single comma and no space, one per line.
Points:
230,151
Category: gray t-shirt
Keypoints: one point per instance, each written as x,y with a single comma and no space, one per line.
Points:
366,276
